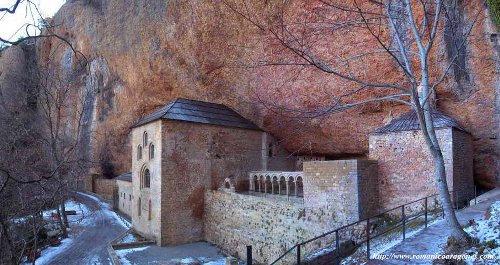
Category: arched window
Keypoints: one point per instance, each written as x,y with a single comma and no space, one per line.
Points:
275,185
268,185
300,187
151,151
139,152
291,187
146,179
145,139
282,185
149,212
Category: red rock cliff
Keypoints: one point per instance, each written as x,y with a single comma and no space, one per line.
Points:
145,53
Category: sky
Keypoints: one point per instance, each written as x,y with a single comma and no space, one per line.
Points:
12,26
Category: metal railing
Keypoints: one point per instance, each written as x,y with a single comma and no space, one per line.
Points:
406,218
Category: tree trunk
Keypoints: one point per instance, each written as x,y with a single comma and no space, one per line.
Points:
424,113
427,128
444,194
61,224
63,214
5,234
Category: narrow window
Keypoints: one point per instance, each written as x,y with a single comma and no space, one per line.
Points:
129,197
139,152
151,151
145,139
139,207
149,212
146,179
270,150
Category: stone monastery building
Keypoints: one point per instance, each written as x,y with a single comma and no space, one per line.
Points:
200,171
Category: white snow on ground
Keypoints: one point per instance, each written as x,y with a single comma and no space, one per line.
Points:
187,260
201,260
108,210
381,248
122,254
83,217
129,238
50,252
216,262
488,233
377,248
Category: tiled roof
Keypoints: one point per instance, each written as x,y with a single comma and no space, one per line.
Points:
201,112
409,121
125,177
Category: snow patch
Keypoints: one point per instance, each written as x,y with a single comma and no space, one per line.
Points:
107,209
221,261
122,254
49,253
488,233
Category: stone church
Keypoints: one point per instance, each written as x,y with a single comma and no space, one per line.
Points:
183,149
202,172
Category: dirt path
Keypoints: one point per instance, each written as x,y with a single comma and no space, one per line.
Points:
89,246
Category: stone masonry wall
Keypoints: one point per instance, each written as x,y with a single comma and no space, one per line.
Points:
341,186
196,158
145,221
125,197
233,221
404,180
104,187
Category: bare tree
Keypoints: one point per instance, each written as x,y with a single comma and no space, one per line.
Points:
414,26
40,163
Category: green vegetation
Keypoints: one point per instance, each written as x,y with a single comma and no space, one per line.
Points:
490,244
494,6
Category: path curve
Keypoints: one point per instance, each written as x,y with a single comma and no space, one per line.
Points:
90,245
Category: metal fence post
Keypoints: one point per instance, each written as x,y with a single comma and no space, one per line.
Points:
337,241
298,254
404,221
475,194
368,238
249,255
442,208
425,212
